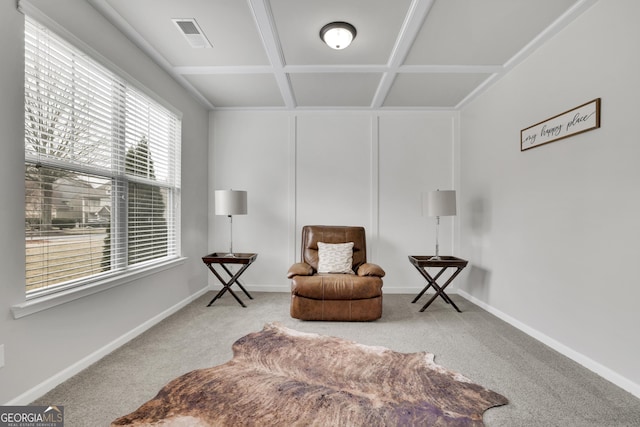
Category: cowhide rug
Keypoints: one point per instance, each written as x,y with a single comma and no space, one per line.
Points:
281,377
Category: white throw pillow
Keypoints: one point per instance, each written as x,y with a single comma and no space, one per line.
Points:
335,257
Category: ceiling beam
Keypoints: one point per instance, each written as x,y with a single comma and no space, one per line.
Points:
418,11
266,27
223,69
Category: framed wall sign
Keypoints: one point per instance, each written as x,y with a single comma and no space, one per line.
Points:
581,119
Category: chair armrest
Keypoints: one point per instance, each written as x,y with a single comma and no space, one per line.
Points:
300,269
369,269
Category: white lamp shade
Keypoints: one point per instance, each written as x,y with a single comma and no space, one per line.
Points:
439,203
231,202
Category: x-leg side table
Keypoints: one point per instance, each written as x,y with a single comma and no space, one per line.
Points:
222,259
421,263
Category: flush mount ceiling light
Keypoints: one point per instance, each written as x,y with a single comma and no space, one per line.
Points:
338,35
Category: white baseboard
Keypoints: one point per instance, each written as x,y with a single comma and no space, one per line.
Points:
47,385
411,290
606,373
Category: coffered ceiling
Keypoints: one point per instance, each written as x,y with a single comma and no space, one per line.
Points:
408,54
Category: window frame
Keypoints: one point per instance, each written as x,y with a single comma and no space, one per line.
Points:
60,294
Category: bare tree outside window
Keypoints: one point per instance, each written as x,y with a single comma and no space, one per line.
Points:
65,210
54,131
96,203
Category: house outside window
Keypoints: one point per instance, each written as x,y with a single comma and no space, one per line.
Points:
102,170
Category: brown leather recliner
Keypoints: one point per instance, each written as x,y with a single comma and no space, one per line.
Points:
335,296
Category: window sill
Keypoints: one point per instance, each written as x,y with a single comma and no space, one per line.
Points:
48,301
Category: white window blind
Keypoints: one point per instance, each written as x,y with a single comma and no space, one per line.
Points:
102,169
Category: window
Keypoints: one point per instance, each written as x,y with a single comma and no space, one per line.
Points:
102,170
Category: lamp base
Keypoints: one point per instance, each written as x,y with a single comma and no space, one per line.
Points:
435,258
230,255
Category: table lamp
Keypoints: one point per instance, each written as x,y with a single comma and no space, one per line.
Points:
231,202
439,203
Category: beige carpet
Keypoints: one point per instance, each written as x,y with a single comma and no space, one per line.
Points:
544,388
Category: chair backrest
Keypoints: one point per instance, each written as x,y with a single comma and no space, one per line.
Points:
312,234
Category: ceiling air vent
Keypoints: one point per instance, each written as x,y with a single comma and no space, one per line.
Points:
192,32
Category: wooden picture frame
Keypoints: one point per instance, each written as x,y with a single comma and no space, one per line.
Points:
580,119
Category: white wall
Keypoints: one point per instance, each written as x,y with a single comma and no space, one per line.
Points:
552,232
43,348
338,168
254,157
